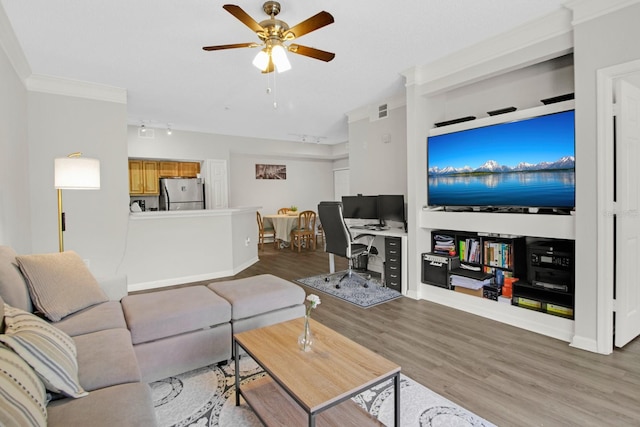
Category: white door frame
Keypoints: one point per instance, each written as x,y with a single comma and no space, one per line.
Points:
606,78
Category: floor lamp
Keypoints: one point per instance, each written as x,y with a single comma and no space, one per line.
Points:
74,173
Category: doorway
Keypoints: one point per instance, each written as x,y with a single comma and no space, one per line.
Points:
618,157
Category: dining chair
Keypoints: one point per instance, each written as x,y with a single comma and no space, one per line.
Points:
305,232
319,231
283,211
264,231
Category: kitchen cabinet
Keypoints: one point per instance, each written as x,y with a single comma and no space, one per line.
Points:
178,169
143,177
168,169
189,169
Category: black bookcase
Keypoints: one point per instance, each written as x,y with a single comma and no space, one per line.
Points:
499,255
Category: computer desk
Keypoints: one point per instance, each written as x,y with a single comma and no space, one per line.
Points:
380,236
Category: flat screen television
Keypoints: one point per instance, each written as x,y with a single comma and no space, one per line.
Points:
360,207
521,162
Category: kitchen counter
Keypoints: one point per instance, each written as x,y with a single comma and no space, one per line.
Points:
166,248
194,213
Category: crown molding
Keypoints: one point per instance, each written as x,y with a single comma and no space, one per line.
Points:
538,40
75,88
586,10
12,48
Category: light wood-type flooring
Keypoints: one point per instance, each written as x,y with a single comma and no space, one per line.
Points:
507,375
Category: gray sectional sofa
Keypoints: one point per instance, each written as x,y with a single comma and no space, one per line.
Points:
118,342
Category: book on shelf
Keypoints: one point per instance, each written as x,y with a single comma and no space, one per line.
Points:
469,250
469,282
444,244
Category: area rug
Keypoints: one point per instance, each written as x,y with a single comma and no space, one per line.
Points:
206,397
352,289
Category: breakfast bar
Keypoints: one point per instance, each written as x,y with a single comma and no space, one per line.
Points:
166,248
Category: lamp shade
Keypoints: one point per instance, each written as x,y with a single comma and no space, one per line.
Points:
279,57
77,173
261,61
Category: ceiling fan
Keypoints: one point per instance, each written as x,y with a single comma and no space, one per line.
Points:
274,33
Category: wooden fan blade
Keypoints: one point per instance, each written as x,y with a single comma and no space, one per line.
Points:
318,20
230,46
312,52
243,17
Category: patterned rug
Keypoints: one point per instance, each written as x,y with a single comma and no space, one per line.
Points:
352,289
206,398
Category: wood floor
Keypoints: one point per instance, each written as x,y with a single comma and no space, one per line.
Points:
505,374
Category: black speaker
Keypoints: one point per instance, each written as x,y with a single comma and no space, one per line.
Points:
436,268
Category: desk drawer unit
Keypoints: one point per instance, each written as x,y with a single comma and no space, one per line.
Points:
393,263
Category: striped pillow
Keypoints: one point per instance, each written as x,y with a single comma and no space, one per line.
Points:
22,394
49,351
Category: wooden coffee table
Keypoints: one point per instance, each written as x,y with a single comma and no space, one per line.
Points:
315,386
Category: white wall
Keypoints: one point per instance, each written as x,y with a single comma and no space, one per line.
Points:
378,152
308,182
96,220
15,225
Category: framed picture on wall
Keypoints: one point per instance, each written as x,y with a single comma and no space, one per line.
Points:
271,171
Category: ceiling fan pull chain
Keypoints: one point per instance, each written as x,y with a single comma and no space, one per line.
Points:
275,97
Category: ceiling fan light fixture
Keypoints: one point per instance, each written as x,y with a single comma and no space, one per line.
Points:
279,57
261,61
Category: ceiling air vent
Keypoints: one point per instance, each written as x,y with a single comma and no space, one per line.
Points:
382,111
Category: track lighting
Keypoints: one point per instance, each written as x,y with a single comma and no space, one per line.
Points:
142,128
169,131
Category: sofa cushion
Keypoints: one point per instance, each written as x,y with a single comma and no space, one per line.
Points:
22,394
258,294
49,351
173,311
124,405
13,287
60,283
99,317
106,358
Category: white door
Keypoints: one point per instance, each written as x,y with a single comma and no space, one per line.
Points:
340,183
216,187
627,287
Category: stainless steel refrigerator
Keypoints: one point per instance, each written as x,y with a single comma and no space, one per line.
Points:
181,194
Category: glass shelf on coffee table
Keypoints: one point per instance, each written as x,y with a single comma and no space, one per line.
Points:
313,387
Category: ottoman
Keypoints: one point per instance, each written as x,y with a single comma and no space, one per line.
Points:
177,330
261,300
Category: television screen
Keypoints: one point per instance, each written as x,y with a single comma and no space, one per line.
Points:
391,208
524,163
361,207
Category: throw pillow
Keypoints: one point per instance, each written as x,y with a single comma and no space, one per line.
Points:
60,283
49,351
21,391
13,287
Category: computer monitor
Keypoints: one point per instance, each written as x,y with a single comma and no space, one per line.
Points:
391,208
360,207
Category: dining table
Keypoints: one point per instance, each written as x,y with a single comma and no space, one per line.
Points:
283,224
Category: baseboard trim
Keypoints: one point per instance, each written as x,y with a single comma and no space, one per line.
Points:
143,286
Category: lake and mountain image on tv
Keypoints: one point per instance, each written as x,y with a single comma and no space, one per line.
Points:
525,163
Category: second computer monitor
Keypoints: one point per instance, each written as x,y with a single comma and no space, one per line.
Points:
360,207
391,208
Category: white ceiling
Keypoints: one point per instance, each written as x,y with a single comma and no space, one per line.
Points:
153,48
